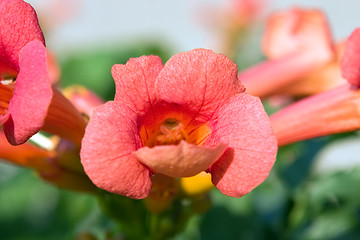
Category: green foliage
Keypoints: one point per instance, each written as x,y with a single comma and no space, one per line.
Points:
92,68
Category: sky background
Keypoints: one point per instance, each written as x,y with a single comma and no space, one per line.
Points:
175,22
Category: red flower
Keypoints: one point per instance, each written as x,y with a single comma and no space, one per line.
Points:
24,101
188,116
298,44
28,102
333,111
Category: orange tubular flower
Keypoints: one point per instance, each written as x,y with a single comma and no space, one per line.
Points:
334,111
26,155
46,163
298,44
83,99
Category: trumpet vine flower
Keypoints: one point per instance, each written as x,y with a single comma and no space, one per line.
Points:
179,119
46,163
301,55
333,111
24,102
28,102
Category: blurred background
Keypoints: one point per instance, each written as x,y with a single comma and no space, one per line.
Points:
181,24
312,192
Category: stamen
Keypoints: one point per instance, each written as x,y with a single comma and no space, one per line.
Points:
170,132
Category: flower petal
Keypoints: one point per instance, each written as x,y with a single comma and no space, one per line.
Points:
6,93
200,80
182,160
350,63
243,124
4,118
135,81
19,25
32,95
333,111
106,153
298,31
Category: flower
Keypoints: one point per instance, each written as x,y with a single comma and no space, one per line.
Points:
48,164
351,60
82,98
188,116
333,111
23,57
301,56
28,101
231,22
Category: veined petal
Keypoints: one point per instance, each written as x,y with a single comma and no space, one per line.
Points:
106,153
135,81
199,80
182,160
350,63
243,124
19,25
32,95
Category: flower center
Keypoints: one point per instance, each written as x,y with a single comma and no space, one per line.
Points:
7,86
170,132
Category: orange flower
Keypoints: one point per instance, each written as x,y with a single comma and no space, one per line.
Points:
301,56
333,111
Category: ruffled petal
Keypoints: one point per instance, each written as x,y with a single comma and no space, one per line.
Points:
243,124
135,81
182,160
32,95
106,153
19,26
199,80
350,63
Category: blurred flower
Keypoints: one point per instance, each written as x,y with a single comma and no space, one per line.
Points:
47,163
26,155
302,57
196,185
232,22
82,98
163,191
333,111
350,63
53,13
54,71
188,116
245,12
